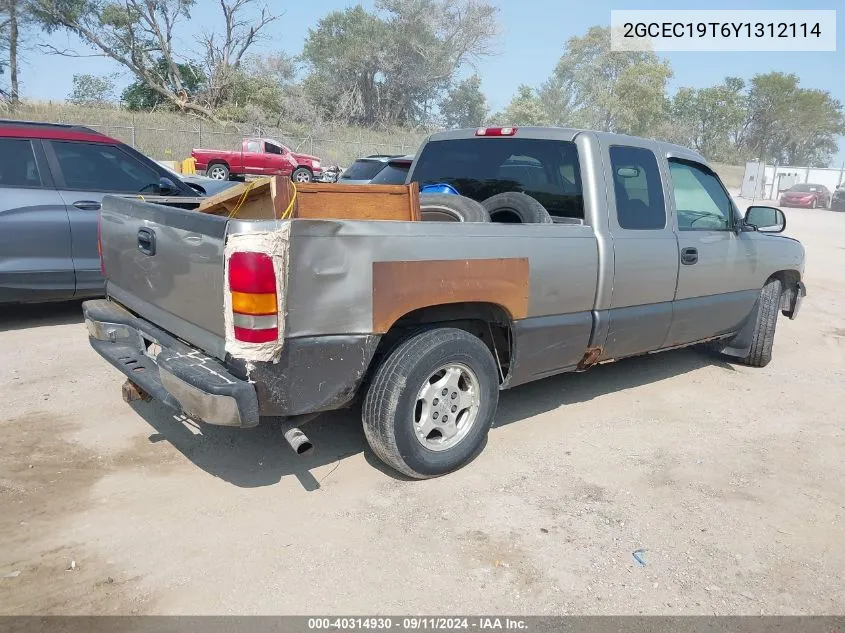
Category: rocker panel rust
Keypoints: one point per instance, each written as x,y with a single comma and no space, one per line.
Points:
401,287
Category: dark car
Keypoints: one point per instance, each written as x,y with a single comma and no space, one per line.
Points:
52,180
837,201
363,170
395,172
806,195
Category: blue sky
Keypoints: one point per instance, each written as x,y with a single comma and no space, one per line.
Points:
533,34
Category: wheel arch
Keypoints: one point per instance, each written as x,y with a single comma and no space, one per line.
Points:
790,280
490,322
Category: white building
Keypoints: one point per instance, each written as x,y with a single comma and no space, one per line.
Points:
767,181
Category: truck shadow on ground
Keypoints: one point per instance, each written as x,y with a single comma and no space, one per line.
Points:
25,316
261,457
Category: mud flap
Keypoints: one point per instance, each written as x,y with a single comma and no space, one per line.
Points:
739,345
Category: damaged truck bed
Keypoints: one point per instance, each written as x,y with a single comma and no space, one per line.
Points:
601,247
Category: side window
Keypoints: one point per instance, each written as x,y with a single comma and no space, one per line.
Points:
700,199
17,164
639,193
96,167
270,148
253,146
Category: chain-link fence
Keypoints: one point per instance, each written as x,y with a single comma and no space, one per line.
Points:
176,144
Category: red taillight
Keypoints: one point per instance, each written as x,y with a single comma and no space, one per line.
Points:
495,131
256,336
100,243
251,272
252,282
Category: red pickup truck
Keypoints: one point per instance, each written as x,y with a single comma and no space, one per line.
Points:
259,156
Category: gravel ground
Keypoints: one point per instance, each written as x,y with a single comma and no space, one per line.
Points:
729,478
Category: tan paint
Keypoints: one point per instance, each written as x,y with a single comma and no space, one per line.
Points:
401,287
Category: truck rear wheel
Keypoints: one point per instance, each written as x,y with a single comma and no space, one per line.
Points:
763,338
431,402
217,171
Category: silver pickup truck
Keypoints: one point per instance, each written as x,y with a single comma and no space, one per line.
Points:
600,247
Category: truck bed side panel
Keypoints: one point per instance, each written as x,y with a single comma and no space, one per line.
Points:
333,290
331,266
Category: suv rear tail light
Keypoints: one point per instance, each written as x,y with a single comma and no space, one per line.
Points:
495,131
255,312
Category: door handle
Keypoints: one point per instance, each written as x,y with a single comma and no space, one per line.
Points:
147,241
689,256
87,205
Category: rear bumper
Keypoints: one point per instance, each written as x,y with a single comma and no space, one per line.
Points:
178,375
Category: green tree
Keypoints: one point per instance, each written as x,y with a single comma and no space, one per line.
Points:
141,96
15,21
92,90
791,124
465,104
597,88
263,93
142,36
712,118
524,109
391,66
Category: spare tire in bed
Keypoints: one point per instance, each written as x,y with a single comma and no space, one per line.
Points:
516,208
445,207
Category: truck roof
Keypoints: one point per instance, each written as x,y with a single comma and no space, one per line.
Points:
568,134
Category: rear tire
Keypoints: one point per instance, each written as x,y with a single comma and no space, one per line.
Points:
444,207
218,171
514,207
764,330
405,409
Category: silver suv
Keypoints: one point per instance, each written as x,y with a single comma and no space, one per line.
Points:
52,179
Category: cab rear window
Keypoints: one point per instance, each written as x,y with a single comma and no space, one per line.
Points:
546,170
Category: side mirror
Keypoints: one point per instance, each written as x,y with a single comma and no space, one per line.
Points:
766,219
167,187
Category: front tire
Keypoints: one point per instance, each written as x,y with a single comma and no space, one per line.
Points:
431,403
763,338
301,174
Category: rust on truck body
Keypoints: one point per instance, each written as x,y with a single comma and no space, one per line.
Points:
401,287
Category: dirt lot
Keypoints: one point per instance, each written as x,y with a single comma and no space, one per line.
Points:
730,479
